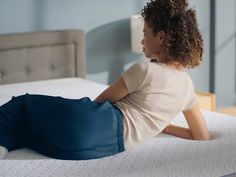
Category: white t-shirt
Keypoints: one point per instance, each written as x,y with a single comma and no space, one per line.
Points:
157,93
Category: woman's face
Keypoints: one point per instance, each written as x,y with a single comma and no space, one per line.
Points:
152,43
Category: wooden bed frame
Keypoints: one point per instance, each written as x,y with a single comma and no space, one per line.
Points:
207,100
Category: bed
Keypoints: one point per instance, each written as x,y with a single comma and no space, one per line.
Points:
53,63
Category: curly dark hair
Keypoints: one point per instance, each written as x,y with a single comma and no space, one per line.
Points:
184,42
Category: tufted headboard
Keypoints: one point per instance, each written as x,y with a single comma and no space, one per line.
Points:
42,55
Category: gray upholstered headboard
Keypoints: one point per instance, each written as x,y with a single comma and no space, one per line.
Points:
42,55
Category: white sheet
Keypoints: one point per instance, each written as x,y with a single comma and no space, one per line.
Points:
165,155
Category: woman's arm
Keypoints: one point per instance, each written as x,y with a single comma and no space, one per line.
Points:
114,93
178,131
197,126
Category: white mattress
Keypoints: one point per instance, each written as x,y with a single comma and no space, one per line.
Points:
165,155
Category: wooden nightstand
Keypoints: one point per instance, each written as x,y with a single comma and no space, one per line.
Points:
207,100
230,110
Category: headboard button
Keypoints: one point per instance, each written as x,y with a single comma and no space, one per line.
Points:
51,68
26,71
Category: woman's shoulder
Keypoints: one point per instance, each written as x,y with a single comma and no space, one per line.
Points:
157,69
147,64
140,66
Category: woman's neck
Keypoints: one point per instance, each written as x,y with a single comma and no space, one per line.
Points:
172,64
175,65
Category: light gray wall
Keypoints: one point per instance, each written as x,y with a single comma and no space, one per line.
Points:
201,75
106,23
225,53
28,15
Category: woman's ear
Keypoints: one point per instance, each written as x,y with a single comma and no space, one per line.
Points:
161,35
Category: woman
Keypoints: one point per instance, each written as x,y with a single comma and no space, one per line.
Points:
136,107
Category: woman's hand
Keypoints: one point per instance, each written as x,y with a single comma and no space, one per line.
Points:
165,130
178,131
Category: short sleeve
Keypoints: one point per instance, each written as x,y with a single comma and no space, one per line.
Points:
135,76
192,99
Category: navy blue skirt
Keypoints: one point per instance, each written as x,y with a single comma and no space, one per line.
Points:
70,129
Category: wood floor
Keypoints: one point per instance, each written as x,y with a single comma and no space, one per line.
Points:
230,111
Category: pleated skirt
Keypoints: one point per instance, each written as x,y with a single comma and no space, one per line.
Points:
69,129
